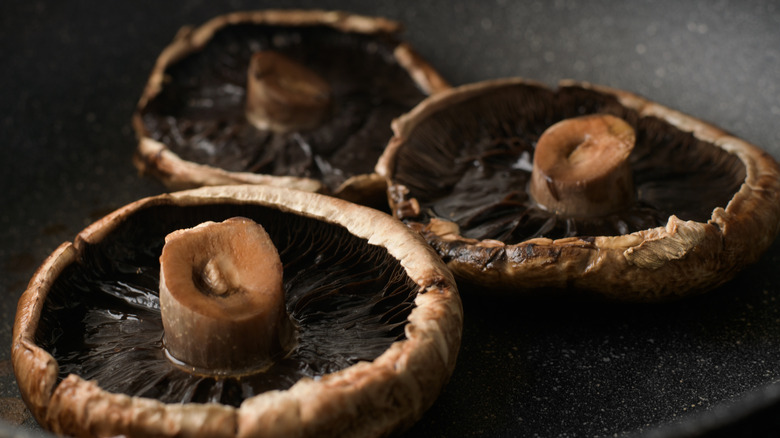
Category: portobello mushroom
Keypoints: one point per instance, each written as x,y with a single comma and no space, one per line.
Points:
669,206
296,98
351,330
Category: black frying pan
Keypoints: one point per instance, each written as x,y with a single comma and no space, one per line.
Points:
72,73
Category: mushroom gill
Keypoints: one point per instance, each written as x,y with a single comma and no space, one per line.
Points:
102,321
475,171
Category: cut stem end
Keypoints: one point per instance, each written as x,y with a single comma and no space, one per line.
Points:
221,298
581,166
284,95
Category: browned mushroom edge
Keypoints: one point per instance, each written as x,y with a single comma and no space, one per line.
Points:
672,259
156,158
369,398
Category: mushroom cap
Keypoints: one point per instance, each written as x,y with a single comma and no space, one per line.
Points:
367,398
191,136
459,184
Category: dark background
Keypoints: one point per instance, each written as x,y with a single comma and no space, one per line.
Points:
72,73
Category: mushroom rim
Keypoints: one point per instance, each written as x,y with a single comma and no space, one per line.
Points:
155,158
608,266
408,369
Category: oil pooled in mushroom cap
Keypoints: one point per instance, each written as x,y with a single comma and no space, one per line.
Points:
350,301
474,170
200,114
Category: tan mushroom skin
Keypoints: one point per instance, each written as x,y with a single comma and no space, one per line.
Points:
221,298
581,166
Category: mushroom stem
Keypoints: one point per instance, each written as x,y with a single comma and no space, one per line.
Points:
283,95
581,166
221,298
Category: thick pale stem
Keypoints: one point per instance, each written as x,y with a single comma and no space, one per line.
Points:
221,298
283,95
581,166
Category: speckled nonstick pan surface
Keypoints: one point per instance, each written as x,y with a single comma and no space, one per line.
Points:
706,366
